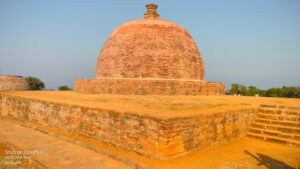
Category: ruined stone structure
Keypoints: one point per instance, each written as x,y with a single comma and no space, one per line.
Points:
8,82
151,135
150,56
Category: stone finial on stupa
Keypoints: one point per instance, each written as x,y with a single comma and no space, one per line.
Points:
151,11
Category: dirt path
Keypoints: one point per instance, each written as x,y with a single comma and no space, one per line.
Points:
56,153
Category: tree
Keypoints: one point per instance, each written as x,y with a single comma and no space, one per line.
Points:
279,92
238,89
291,91
35,83
262,93
274,92
243,90
64,87
298,92
271,92
234,89
252,90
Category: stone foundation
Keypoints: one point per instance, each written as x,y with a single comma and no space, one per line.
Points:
8,82
149,86
158,137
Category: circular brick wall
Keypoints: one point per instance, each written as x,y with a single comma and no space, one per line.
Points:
13,83
150,48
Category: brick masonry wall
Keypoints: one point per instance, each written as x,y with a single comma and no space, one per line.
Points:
13,83
149,87
160,138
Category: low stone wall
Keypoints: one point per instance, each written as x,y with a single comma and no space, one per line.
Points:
8,82
157,137
149,87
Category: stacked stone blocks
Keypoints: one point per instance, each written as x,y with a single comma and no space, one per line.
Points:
8,82
148,87
151,135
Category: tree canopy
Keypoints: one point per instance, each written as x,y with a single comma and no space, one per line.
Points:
238,89
35,83
291,91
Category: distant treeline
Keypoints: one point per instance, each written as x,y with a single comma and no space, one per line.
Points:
291,91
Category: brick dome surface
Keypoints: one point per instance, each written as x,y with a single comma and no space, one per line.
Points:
150,56
150,48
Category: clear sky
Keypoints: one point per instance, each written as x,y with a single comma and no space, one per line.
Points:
252,42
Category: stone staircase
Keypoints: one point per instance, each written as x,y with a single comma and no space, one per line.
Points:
276,123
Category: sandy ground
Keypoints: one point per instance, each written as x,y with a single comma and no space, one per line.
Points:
56,153
244,153
152,104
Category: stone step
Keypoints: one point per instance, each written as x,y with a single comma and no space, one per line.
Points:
278,122
279,117
255,135
258,125
268,106
255,130
274,138
278,107
274,133
285,129
279,112
294,109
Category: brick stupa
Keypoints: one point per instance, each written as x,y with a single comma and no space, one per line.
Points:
150,56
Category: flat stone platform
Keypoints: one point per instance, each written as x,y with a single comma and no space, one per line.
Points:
162,127
153,105
242,153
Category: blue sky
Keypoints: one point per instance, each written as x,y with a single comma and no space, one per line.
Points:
252,42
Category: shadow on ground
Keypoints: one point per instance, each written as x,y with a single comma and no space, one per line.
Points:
269,162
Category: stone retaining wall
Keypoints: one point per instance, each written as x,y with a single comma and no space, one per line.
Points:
149,87
157,137
8,82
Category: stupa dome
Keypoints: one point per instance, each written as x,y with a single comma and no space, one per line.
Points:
150,48
150,56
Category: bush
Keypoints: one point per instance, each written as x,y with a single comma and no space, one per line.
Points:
64,87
